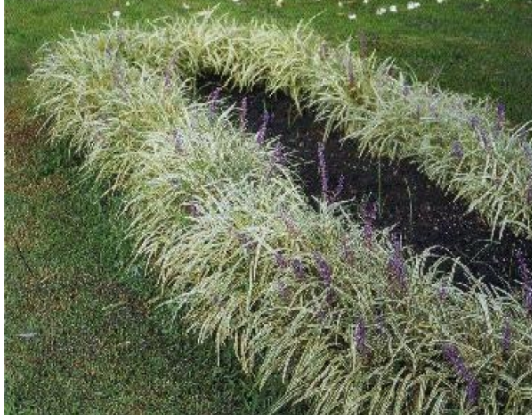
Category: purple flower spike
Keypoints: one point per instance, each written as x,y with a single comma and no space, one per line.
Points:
283,291
506,341
369,216
472,391
246,241
324,269
261,134
452,355
298,268
527,150
243,113
214,98
347,253
396,263
443,292
322,164
501,115
524,273
278,156
178,141
457,150
474,122
280,259
528,193
381,323
192,208
339,189
360,336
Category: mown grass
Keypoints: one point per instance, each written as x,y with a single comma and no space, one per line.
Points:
98,347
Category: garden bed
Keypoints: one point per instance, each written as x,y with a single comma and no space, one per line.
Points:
352,320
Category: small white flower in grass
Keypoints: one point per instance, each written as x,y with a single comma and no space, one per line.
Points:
340,4
128,4
393,9
412,5
116,14
236,1
279,3
439,1
380,11
186,6
365,1
352,16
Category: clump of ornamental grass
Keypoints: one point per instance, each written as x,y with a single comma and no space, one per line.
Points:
353,321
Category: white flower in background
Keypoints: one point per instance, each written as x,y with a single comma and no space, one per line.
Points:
412,5
236,1
340,4
380,11
128,4
365,1
393,9
116,14
439,1
186,6
352,16
279,3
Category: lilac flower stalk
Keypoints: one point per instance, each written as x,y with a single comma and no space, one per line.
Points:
322,165
443,292
338,190
261,134
283,291
360,336
214,98
280,260
347,253
369,216
481,133
506,340
192,209
278,156
396,263
289,222
242,113
178,141
457,150
528,193
381,323
298,268
452,355
527,151
524,273
246,241
324,269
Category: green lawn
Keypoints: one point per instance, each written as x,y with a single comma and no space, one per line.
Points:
80,334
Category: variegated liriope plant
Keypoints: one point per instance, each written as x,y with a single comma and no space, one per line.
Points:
353,322
464,145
